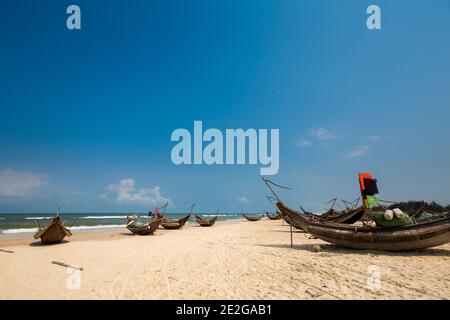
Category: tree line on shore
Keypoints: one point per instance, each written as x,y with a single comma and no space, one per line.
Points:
409,206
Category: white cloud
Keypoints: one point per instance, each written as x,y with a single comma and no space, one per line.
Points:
322,134
243,200
125,191
377,137
19,184
358,151
303,143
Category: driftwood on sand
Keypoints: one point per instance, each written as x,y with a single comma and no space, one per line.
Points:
67,265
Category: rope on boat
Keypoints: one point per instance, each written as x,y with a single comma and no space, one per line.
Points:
353,203
58,211
76,219
191,208
270,198
268,182
332,201
164,207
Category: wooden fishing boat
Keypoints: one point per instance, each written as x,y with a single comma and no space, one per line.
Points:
54,232
422,235
205,222
140,228
276,216
252,218
174,223
284,217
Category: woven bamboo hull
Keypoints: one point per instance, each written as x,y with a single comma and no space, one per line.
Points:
146,229
54,232
253,218
419,236
174,224
401,240
205,222
276,216
291,222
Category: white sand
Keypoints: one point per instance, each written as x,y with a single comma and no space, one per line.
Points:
231,260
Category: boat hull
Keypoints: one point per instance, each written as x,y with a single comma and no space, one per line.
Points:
252,218
413,237
54,232
146,229
204,222
174,224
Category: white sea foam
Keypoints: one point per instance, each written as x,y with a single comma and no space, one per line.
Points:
220,215
108,226
104,217
38,218
19,230
32,230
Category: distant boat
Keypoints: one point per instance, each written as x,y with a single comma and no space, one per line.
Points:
173,223
250,218
141,228
276,216
205,222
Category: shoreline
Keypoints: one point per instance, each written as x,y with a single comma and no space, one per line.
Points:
30,230
20,238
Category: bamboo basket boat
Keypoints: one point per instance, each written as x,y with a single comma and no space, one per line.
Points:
205,222
173,223
54,232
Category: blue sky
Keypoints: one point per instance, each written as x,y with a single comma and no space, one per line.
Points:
86,116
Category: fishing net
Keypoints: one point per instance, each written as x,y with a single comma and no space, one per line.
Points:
381,221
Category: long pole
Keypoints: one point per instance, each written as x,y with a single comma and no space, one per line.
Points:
292,244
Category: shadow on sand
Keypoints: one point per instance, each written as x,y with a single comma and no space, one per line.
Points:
288,231
332,249
40,244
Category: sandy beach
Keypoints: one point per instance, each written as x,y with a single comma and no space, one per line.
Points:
231,260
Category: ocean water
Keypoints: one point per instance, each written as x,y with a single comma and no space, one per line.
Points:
23,223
